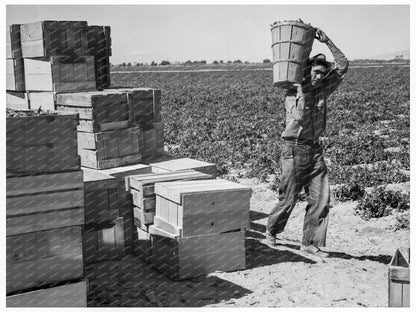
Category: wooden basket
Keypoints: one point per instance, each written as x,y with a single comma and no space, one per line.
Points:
291,44
399,279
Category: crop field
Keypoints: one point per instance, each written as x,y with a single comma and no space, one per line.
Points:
235,118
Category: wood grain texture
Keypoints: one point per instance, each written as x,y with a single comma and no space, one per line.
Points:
69,295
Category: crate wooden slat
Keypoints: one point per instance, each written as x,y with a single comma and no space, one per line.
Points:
202,207
104,241
17,100
99,110
15,75
41,144
68,295
40,258
399,279
153,141
51,38
60,73
90,159
182,164
205,196
101,196
113,143
142,186
126,206
99,44
13,44
189,257
42,100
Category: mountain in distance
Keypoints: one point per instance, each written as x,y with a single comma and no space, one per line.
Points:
393,55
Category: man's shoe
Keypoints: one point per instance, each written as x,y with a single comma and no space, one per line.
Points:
270,238
313,250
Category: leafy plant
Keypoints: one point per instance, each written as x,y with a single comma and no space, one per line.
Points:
381,202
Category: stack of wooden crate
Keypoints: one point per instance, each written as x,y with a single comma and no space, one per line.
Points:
118,127
142,190
44,210
48,57
16,98
199,227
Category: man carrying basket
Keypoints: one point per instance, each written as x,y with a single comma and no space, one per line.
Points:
302,161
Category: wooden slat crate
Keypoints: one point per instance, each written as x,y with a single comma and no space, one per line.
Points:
13,44
103,150
51,38
189,257
40,258
145,107
182,164
399,279
15,75
42,100
153,141
143,195
126,205
99,110
67,295
17,100
41,144
99,44
190,208
60,73
43,202
104,241
100,196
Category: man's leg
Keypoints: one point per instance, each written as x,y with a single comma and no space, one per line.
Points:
316,217
288,192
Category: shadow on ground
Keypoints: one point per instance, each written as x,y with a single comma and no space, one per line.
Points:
132,283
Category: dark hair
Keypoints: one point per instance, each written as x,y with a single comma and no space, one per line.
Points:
319,59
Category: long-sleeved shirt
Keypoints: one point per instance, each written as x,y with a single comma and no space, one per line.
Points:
306,111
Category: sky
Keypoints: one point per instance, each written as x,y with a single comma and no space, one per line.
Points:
143,33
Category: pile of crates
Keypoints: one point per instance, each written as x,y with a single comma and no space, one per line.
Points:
89,180
44,211
55,56
188,222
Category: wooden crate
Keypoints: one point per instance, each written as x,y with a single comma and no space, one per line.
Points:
100,196
142,186
104,241
153,141
126,205
44,202
183,164
99,44
15,75
52,38
42,100
17,100
13,44
98,110
40,258
41,144
60,73
202,207
399,279
189,257
67,295
110,149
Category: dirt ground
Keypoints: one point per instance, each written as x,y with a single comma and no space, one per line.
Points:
355,274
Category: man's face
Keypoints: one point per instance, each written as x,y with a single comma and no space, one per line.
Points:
318,72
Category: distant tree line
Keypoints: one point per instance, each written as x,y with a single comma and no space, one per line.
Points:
188,62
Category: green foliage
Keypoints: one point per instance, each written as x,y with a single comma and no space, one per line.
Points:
381,202
352,191
235,118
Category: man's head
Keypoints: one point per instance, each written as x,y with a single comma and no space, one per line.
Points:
319,68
